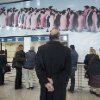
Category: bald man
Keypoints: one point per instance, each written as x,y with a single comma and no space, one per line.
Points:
53,68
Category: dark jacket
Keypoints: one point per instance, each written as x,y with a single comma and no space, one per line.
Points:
30,60
94,71
87,59
94,66
53,60
20,57
74,58
3,62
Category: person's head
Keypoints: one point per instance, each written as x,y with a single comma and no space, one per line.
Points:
2,52
32,48
91,48
92,51
20,47
54,34
72,47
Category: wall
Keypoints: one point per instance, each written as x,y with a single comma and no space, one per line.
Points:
58,4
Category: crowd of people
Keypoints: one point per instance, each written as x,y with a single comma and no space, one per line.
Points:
67,19
27,62
54,64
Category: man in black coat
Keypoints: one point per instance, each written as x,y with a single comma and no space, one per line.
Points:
3,62
74,60
53,68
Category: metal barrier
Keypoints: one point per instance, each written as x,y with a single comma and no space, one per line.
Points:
81,82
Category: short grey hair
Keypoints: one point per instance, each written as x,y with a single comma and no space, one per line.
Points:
32,48
54,34
92,51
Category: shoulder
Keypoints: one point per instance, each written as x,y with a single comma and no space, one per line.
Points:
42,47
2,56
97,56
74,52
26,53
20,52
88,55
67,48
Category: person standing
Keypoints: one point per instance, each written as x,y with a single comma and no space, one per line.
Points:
53,68
92,61
94,74
20,59
74,60
88,57
28,68
3,62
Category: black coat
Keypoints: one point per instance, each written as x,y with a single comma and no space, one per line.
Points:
74,58
53,60
93,70
87,62
87,59
20,57
94,66
3,62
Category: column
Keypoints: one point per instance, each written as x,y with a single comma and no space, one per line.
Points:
27,43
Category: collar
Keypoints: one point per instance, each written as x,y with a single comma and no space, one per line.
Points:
54,41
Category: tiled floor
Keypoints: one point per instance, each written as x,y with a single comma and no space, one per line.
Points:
7,92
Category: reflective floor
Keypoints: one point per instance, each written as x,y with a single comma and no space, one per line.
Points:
7,92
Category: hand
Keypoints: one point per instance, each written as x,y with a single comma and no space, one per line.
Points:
49,87
50,80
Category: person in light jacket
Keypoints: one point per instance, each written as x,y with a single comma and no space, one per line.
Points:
28,68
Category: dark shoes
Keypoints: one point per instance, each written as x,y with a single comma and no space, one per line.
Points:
92,92
71,91
98,95
31,88
28,88
16,88
1,84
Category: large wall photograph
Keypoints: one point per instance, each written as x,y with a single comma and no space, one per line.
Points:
80,19
66,19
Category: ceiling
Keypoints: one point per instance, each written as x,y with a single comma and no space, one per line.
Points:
9,1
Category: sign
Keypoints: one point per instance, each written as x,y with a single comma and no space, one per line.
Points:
19,39
33,39
40,38
14,39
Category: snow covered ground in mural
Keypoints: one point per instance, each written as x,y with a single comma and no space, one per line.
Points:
82,41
